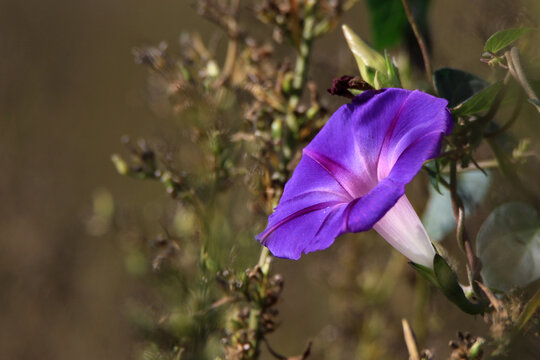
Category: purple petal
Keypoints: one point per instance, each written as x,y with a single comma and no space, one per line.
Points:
310,213
355,170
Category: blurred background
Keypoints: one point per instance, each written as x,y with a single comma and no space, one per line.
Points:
70,88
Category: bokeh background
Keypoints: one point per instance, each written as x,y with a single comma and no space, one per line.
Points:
69,89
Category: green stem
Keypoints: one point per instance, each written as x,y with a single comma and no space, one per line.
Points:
420,40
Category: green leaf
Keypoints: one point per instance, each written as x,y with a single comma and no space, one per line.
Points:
530,309
449,285
508,244
502,39
438,217
479,102
389,24
456,86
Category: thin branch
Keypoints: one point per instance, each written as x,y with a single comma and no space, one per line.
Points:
232,46
495,105
461,234
495,302
510,122
278,356
410,340
420,40
514,65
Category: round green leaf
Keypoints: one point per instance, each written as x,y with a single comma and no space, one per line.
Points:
508,244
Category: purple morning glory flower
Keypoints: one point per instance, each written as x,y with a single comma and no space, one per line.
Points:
352,176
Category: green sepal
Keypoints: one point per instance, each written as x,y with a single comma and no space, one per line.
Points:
392,72
449,285
426,273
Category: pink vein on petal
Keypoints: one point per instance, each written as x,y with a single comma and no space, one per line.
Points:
299,213
342,176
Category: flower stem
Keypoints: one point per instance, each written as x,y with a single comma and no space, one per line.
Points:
420,40
462,237
265,260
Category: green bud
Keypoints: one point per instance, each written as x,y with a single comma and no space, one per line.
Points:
277,128
369,60
375,69
121,166
185,72
475,352
212,69
322,28
312,112
287,82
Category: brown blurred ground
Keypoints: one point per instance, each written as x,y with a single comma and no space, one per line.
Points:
68,90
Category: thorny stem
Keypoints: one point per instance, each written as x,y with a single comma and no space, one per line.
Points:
298,84
420,40
515,68
255,313
301,65
253,324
